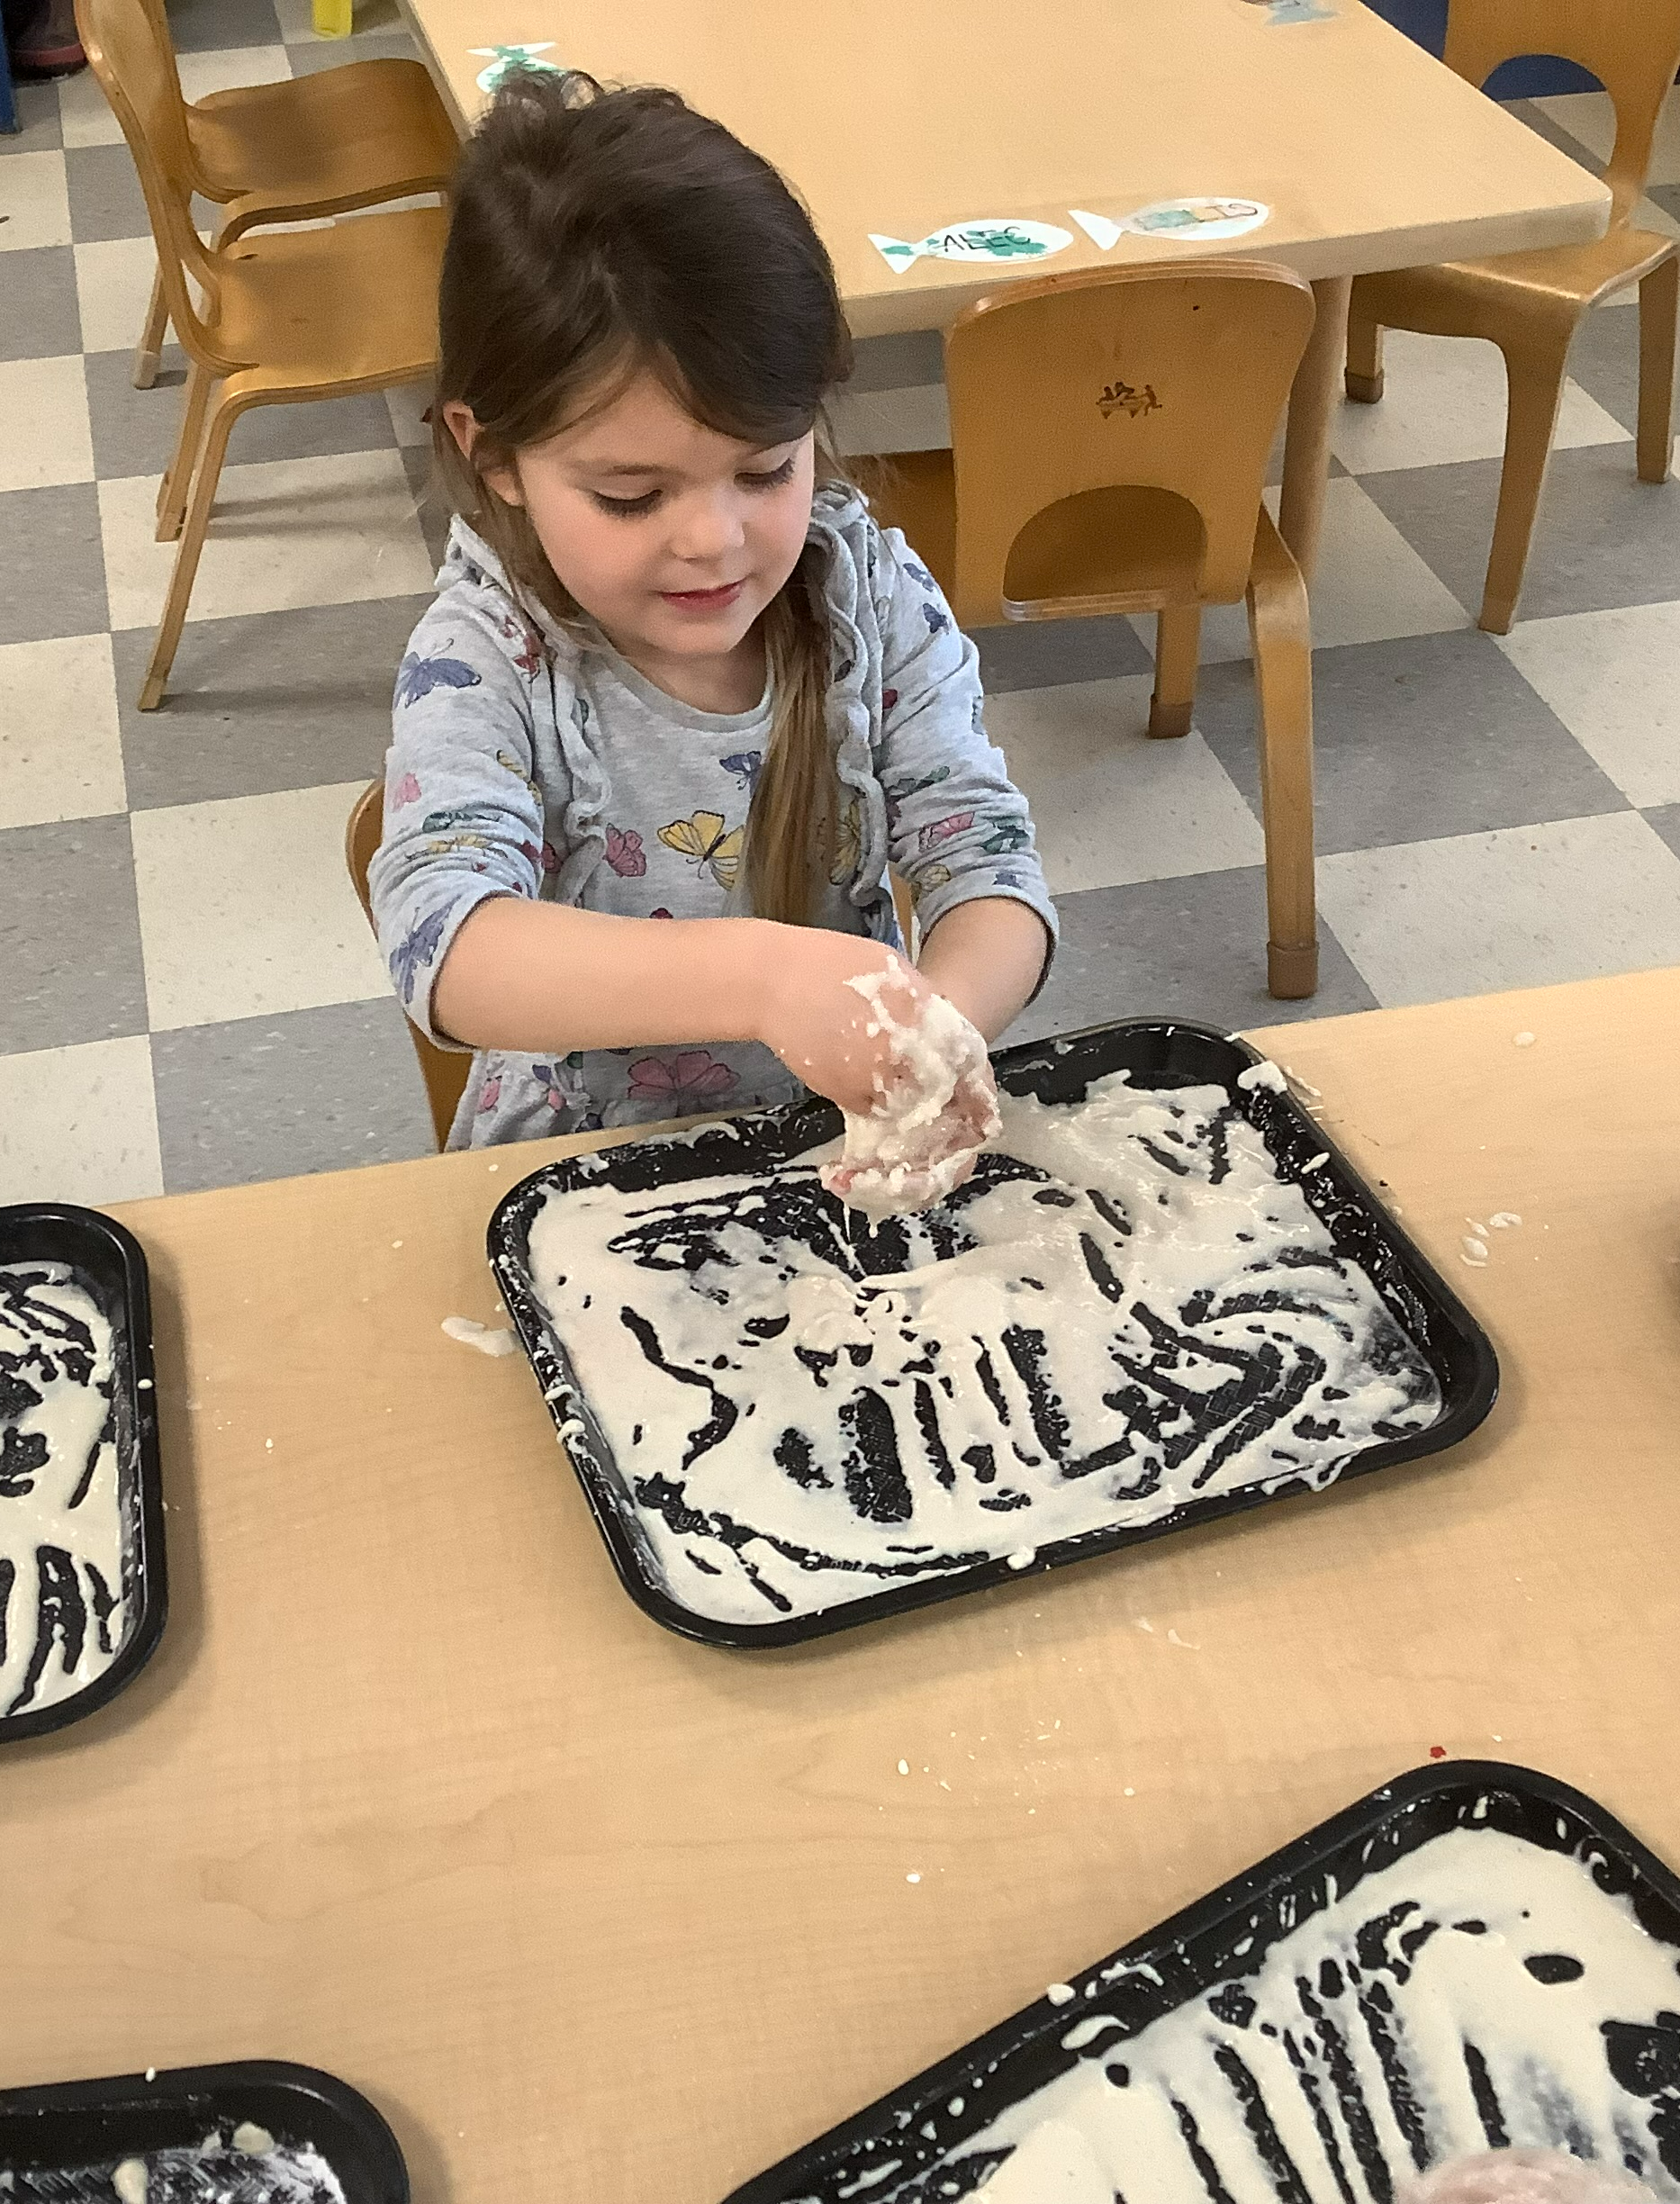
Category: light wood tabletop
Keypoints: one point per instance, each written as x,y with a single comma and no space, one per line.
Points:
1370,154
596,1916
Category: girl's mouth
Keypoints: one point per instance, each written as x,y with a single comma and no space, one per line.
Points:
704,600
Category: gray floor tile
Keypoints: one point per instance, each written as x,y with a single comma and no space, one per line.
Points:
1603,538
1190,947
897,363
1665,820
205,26
1044,654
1538,120
1425,736
105,197
309,57
41,319
55,581
270,701
69,936
1668,197
135,431
1605,361
39,130
271,1098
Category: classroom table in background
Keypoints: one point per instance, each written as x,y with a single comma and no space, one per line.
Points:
596,1916
1370,154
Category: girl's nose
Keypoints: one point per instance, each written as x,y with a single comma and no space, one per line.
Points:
709,525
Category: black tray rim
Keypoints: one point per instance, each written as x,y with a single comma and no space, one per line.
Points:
151,1569
1294,1862
556,1383
180,2084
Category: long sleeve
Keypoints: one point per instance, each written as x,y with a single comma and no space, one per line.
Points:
464,818
958,826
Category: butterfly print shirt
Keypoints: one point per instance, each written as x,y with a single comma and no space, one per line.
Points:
524,763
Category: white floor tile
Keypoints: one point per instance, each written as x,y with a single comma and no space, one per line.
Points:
1111,806
283,533
913,419
80,1125
297,23
247,910
1444,402
113,290
84,114
1590,118
1523,908
1613,679
47,438
1371,585
222,72
36,201
61,751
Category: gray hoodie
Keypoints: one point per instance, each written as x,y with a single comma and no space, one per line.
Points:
525,763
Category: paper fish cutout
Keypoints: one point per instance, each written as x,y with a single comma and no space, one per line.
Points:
510,60
992,239
1189,220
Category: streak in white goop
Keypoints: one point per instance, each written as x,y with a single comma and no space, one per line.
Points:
918,1143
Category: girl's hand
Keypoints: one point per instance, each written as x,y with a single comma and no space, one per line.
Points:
823,1029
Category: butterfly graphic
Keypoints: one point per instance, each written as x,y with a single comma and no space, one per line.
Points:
406,791
704,840
490,1095
529,655
417,948
1007,877
848,845
547,1077
927,881
550,858
942,830
625,853
461,815
888,699
746,767
682,1084
920,573
937,621
417,677
1006,838
895,791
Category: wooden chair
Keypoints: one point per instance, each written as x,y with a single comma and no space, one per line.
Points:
293,151
301,314
1531,304
1109,439
444,1070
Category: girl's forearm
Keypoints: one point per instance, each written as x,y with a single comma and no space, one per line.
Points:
986,956
544,976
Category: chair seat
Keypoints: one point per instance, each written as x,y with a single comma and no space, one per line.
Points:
347,136
352,306
1561,281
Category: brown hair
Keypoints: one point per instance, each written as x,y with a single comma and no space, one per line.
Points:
599,234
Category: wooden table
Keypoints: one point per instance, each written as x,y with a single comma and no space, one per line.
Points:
1370,154
411,1791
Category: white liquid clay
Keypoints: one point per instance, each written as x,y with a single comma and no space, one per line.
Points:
1125,1309
917,1142
1482,1986
62,1606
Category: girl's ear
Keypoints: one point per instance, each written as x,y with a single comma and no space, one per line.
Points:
503,480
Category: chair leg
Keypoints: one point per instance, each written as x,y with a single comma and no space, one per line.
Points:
1534,380
149,352
1177,649
177,481
1659,301
204,482
1280,629
1364,377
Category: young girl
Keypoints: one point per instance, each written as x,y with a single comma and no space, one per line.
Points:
680,702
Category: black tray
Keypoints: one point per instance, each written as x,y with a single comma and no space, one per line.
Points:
109,1262
74,2124
1168,1053
1221,1938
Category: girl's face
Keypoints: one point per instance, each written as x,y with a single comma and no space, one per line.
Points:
671,537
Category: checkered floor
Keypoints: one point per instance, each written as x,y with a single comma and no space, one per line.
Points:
188,995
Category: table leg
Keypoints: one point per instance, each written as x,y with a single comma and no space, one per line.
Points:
1311,409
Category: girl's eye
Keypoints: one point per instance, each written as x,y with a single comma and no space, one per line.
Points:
774,479
627,507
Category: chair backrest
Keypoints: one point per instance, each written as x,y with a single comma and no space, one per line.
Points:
1631,46
1166,381
134,61
444,1070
